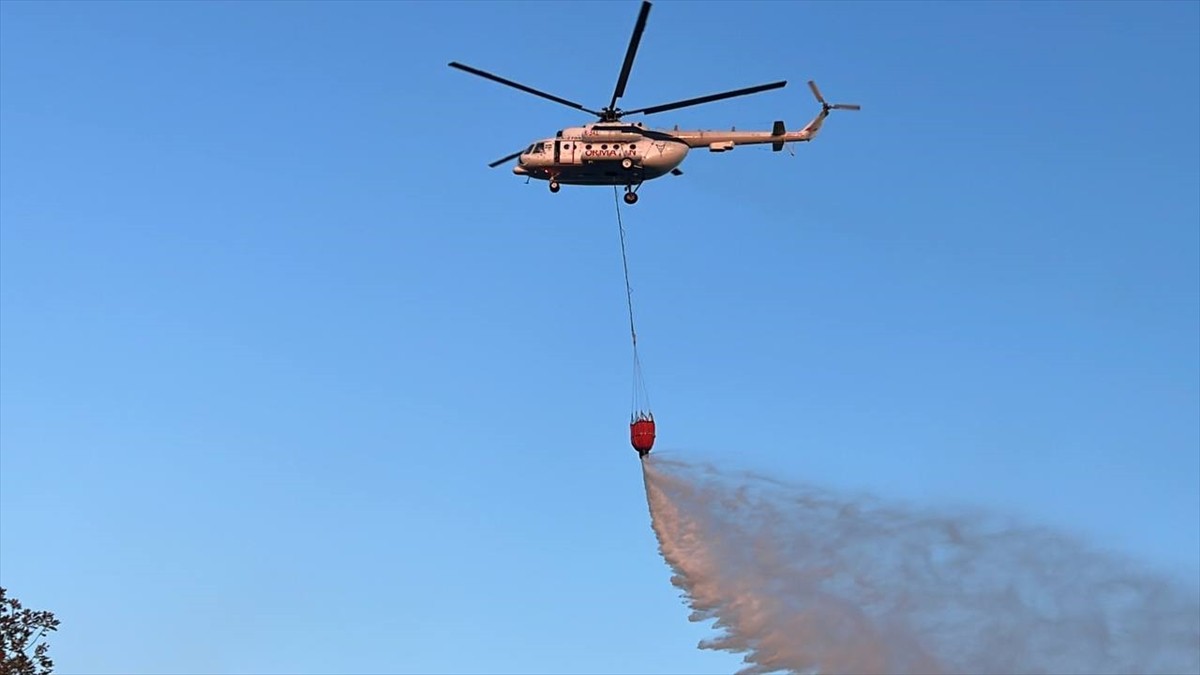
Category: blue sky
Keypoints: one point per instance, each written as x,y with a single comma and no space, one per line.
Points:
292,382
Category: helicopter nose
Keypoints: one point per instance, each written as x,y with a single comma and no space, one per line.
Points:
520,170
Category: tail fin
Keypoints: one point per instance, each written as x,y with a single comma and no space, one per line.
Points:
810,130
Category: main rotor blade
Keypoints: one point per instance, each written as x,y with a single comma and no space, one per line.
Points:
501,161
630,53
846,106
708,99
517,85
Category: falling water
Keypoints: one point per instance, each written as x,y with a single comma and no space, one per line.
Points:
800,579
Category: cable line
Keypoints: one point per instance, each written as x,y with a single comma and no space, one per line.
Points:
641,419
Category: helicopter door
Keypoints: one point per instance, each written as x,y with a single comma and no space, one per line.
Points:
564,152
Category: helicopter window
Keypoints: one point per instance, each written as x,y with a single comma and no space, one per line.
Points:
538,148
588,146
604,147
633,146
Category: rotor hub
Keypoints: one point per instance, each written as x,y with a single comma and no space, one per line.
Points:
611,114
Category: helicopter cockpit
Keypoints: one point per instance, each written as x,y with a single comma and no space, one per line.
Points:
534,150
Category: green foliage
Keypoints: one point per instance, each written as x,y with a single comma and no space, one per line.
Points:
20,630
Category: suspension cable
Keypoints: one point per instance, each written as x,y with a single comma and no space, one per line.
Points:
625,264
639,385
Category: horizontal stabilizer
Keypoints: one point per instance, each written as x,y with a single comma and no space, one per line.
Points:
777,130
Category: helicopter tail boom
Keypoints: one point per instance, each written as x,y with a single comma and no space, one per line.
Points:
778,136
721,141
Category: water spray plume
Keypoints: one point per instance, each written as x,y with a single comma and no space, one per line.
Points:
799,579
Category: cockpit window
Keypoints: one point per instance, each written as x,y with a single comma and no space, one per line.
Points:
538,148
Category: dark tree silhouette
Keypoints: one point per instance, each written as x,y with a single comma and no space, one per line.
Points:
20,630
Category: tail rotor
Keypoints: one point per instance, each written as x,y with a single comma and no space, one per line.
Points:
826,106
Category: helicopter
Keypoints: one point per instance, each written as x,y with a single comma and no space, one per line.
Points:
612,152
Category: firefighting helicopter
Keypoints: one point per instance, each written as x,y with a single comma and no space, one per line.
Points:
612,152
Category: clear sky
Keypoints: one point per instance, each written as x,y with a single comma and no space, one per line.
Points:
292,382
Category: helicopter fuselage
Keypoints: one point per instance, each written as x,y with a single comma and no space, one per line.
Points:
595,155
629,154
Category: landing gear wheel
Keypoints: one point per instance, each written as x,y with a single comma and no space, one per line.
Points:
631,197
554,186
627,163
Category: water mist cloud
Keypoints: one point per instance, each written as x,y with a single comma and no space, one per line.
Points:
800,579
